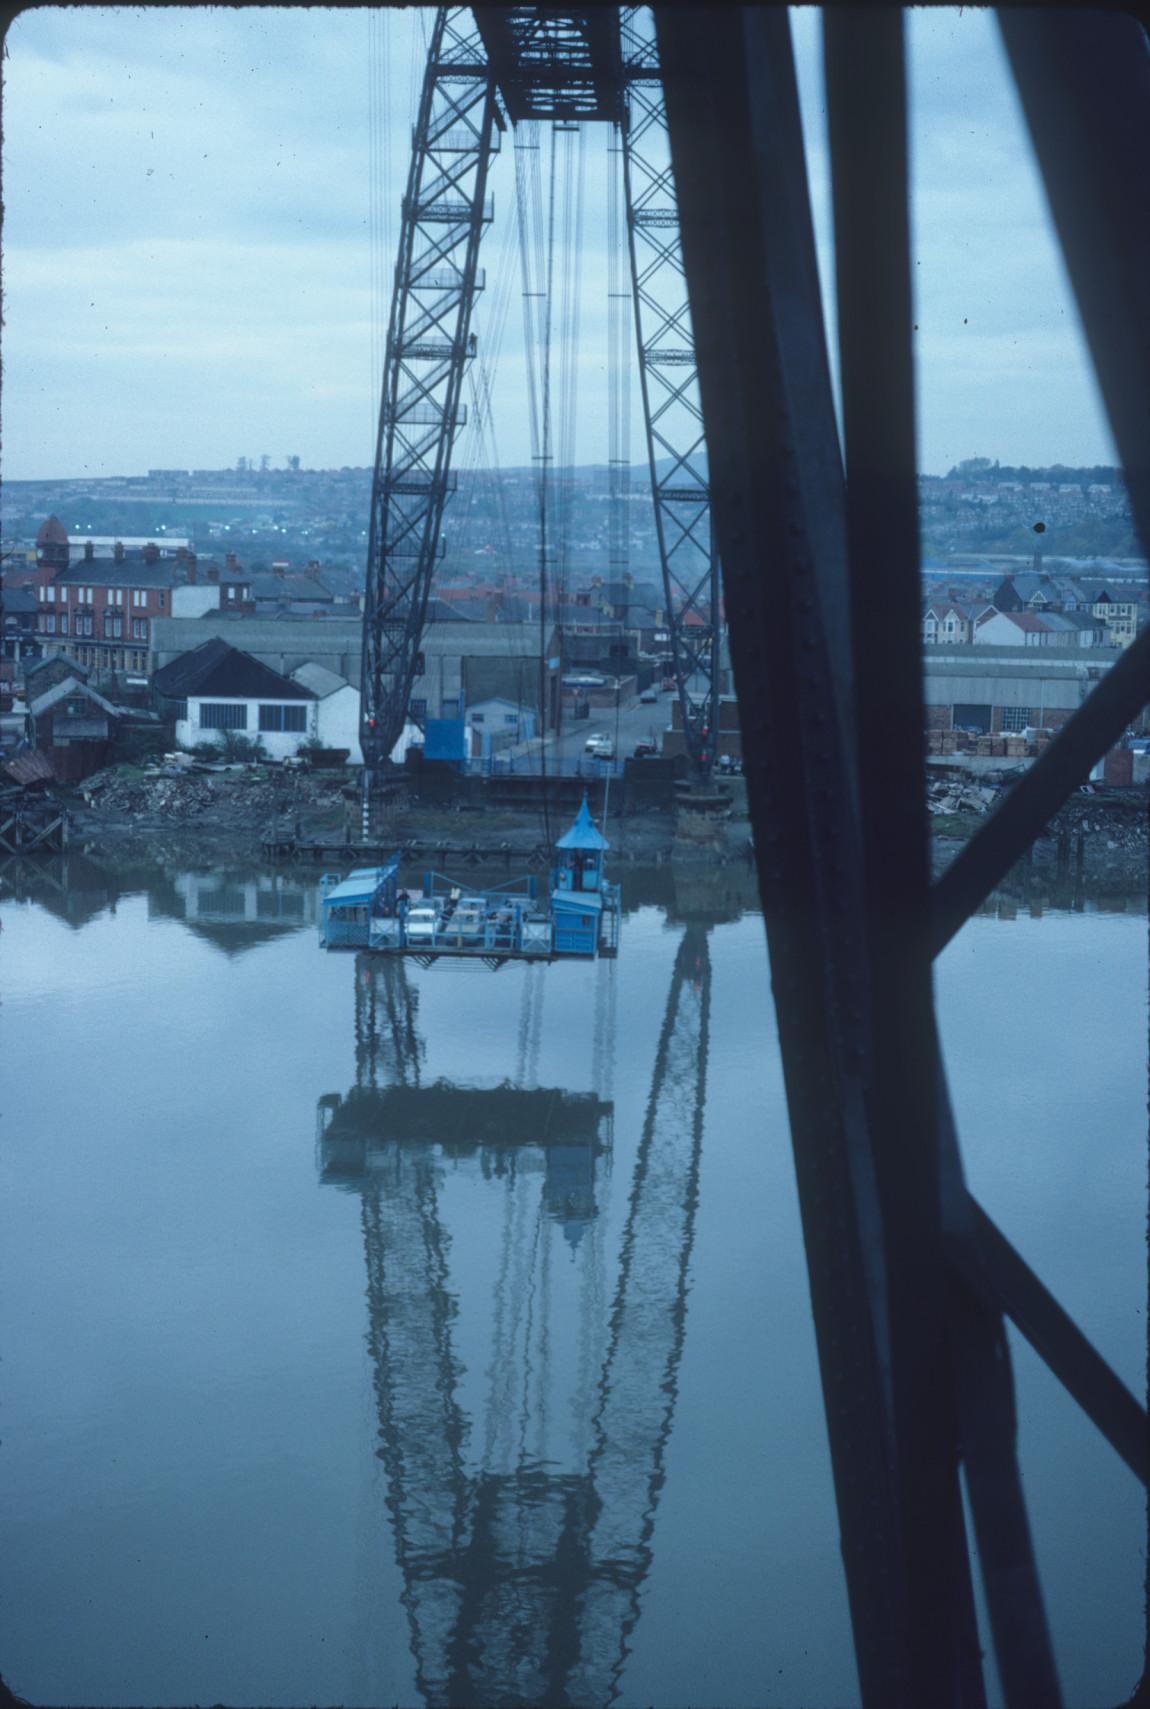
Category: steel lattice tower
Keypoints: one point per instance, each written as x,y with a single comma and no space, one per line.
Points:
501,66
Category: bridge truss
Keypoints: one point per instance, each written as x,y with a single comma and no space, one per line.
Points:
507,65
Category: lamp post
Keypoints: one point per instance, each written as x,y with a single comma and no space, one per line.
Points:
618,691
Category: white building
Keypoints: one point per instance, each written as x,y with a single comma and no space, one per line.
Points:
219,691
336,708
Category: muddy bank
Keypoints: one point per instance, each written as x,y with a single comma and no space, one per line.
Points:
207,816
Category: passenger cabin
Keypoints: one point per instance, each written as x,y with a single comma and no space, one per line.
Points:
348,907
577,889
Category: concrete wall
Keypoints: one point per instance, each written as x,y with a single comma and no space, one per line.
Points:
337,722
277,744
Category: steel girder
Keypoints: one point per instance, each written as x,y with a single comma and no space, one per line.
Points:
429,343
909,1279
669,385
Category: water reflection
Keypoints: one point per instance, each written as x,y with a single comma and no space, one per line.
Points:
522,1559
239,908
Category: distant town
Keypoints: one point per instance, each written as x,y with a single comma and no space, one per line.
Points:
221,610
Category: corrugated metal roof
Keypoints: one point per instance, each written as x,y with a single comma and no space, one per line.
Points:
319,679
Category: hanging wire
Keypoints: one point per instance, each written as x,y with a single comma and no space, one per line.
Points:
618,366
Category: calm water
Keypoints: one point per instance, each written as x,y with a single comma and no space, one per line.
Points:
324,1384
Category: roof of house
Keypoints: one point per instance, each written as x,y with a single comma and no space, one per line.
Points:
128,571
31,666
61,690
1027,620
319,679
217,670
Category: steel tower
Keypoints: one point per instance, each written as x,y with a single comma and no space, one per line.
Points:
504,65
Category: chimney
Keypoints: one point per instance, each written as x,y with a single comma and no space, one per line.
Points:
151,553
213,572
89,550
190,566
118,551
230,562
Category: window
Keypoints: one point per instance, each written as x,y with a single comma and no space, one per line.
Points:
48,622
450,709
1015,717
139,628
511,718
160,600
63,623
115,596
418,709
478,717
181,711
220,716
283,718
139,597
75,707
113,626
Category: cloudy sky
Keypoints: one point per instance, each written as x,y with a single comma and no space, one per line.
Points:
197,217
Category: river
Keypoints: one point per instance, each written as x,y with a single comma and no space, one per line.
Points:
335,1374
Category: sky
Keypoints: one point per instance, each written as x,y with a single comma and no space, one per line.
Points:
202,206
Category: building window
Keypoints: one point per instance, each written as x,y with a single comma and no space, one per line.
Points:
181,711
1015,717
115,596
511,718
418,709
139,628
160,600
48,621
63,623
139,597
450,709
221,716
288,718
479,717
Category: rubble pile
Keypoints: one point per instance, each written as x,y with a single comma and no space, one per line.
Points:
243,797
951,796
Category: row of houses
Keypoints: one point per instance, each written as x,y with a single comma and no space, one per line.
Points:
99,607
1036,610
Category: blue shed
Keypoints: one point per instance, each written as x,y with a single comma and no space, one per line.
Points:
347,909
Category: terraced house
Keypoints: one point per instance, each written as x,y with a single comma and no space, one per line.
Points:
99,609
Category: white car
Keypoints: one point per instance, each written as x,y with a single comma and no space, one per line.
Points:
422,922
600,747
468,920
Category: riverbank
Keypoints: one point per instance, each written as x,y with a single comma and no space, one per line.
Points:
231,813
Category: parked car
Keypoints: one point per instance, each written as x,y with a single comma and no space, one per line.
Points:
643,749
649,696
600,747
422,922
467,921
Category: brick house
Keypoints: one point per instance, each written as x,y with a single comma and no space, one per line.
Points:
100,609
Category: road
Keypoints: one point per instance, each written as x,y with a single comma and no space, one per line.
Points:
635,722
